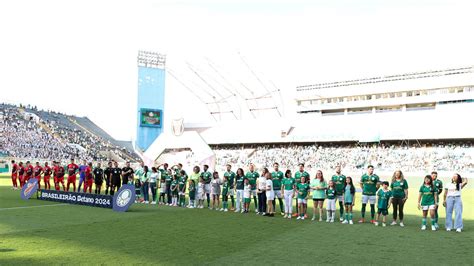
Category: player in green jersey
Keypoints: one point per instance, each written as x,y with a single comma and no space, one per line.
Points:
207,176
428,201
163,168
298,175
192,193
277,177
252,176
339,182
384,199
174,191
369,183
182,188
231,179
225,193
438,185
349,199
303,190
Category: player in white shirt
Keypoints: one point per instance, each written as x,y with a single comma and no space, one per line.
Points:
247,192
270,194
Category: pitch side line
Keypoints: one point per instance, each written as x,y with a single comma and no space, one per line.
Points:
28,207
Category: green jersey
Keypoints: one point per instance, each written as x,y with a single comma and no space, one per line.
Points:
139,173
168,180
195,177
230,178
239,183
225,188
330,193
339,183
299,175
252,177
174,185
348,197
427,195
206,176
384,197
398,188
303,189
438,184
369,184
182,183
276,180
288,183
318,193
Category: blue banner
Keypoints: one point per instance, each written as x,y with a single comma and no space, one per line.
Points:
29,188
94,200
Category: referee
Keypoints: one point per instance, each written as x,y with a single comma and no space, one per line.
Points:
116,176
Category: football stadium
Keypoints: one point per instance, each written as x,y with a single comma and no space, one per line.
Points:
375,169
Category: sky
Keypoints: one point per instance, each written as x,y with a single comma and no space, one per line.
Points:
79,57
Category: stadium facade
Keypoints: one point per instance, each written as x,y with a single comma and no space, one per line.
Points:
428,105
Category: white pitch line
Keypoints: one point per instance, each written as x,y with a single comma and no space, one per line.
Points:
28,207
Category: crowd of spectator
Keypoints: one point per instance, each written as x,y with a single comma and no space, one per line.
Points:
31,133
417,157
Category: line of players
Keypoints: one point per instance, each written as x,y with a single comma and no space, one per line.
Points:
173,182
113,176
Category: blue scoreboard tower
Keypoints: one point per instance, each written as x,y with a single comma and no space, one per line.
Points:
151,97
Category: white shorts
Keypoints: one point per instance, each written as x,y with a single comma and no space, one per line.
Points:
428,207
331,205
340,198
270,195
370,199
163,189
181,193
231,192
302,201
200,196
278,194
207,188
254,193
215,193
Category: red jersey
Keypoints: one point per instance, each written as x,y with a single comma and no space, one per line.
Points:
37,171
29,170
47,171
88,172
14,169
59,171
21,170
72,169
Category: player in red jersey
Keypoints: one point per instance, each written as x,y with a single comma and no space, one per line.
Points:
47,175
58,175
28,172
88,178
37,171
14,175
21,174
72,171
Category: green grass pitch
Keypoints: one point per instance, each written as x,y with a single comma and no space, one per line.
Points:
71,234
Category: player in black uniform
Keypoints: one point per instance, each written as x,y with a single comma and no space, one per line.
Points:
98,178
115,180
127,174
108,177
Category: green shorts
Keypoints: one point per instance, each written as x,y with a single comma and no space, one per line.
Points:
246,200
382,211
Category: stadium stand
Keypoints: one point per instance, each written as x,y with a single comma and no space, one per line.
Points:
438,155
32,133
